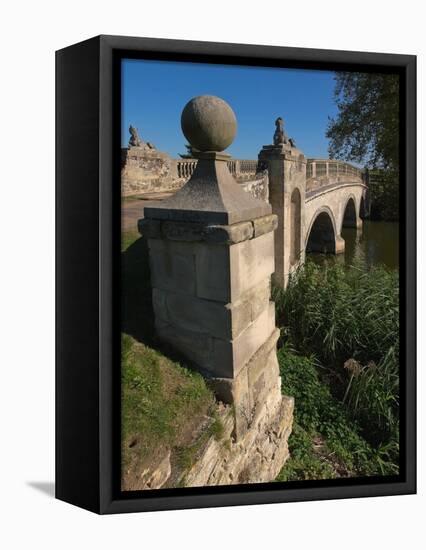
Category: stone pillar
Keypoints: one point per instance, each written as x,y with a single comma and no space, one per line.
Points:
287,177
339,245
211,250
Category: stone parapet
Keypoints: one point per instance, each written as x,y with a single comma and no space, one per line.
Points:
145,170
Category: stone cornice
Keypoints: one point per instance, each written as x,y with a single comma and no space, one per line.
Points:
215,234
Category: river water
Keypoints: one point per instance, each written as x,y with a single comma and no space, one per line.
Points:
376,244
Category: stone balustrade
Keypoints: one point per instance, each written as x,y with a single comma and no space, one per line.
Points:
237,167
324,172
319,169
185,168
246,166
148,170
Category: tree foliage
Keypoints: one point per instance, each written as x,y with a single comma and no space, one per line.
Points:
189,152
366,129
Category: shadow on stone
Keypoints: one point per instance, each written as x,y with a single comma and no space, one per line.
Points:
136,300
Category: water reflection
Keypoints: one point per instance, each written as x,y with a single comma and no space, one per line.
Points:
377,243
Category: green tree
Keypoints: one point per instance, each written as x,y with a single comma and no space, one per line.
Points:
189,152
366,129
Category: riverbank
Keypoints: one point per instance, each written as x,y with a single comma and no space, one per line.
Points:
339,358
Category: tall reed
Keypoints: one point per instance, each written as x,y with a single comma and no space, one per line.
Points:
348,318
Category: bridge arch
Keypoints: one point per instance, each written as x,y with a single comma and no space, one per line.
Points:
349,218
321,235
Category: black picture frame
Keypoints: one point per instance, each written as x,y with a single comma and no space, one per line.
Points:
88,277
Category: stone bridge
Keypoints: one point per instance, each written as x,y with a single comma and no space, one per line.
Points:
336,197
312,198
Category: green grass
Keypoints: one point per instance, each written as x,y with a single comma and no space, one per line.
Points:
165,406
304,463
345,321
338,313
187,455
128,238
161,401
326,442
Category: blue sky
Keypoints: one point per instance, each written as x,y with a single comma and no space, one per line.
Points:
155,92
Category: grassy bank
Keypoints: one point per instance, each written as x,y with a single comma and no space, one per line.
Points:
163,405
340,359
338,356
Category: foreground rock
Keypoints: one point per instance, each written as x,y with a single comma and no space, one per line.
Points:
257,457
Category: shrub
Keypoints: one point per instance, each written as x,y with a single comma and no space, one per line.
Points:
318,415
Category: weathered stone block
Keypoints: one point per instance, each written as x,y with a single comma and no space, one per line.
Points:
195,346
213,272
233,355
151,229
263,362
266,381
260,360
191,313
241,315
226,273
256,457
219,357
258,297
173,265
266,224
182,231
229,234
251,262
242,405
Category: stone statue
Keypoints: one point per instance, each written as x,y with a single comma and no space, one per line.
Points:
135,140
292,142
280,136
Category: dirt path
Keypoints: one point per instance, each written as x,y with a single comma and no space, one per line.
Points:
132,209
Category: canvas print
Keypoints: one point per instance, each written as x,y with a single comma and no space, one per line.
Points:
259,275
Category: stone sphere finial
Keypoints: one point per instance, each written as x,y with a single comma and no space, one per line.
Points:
208,123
